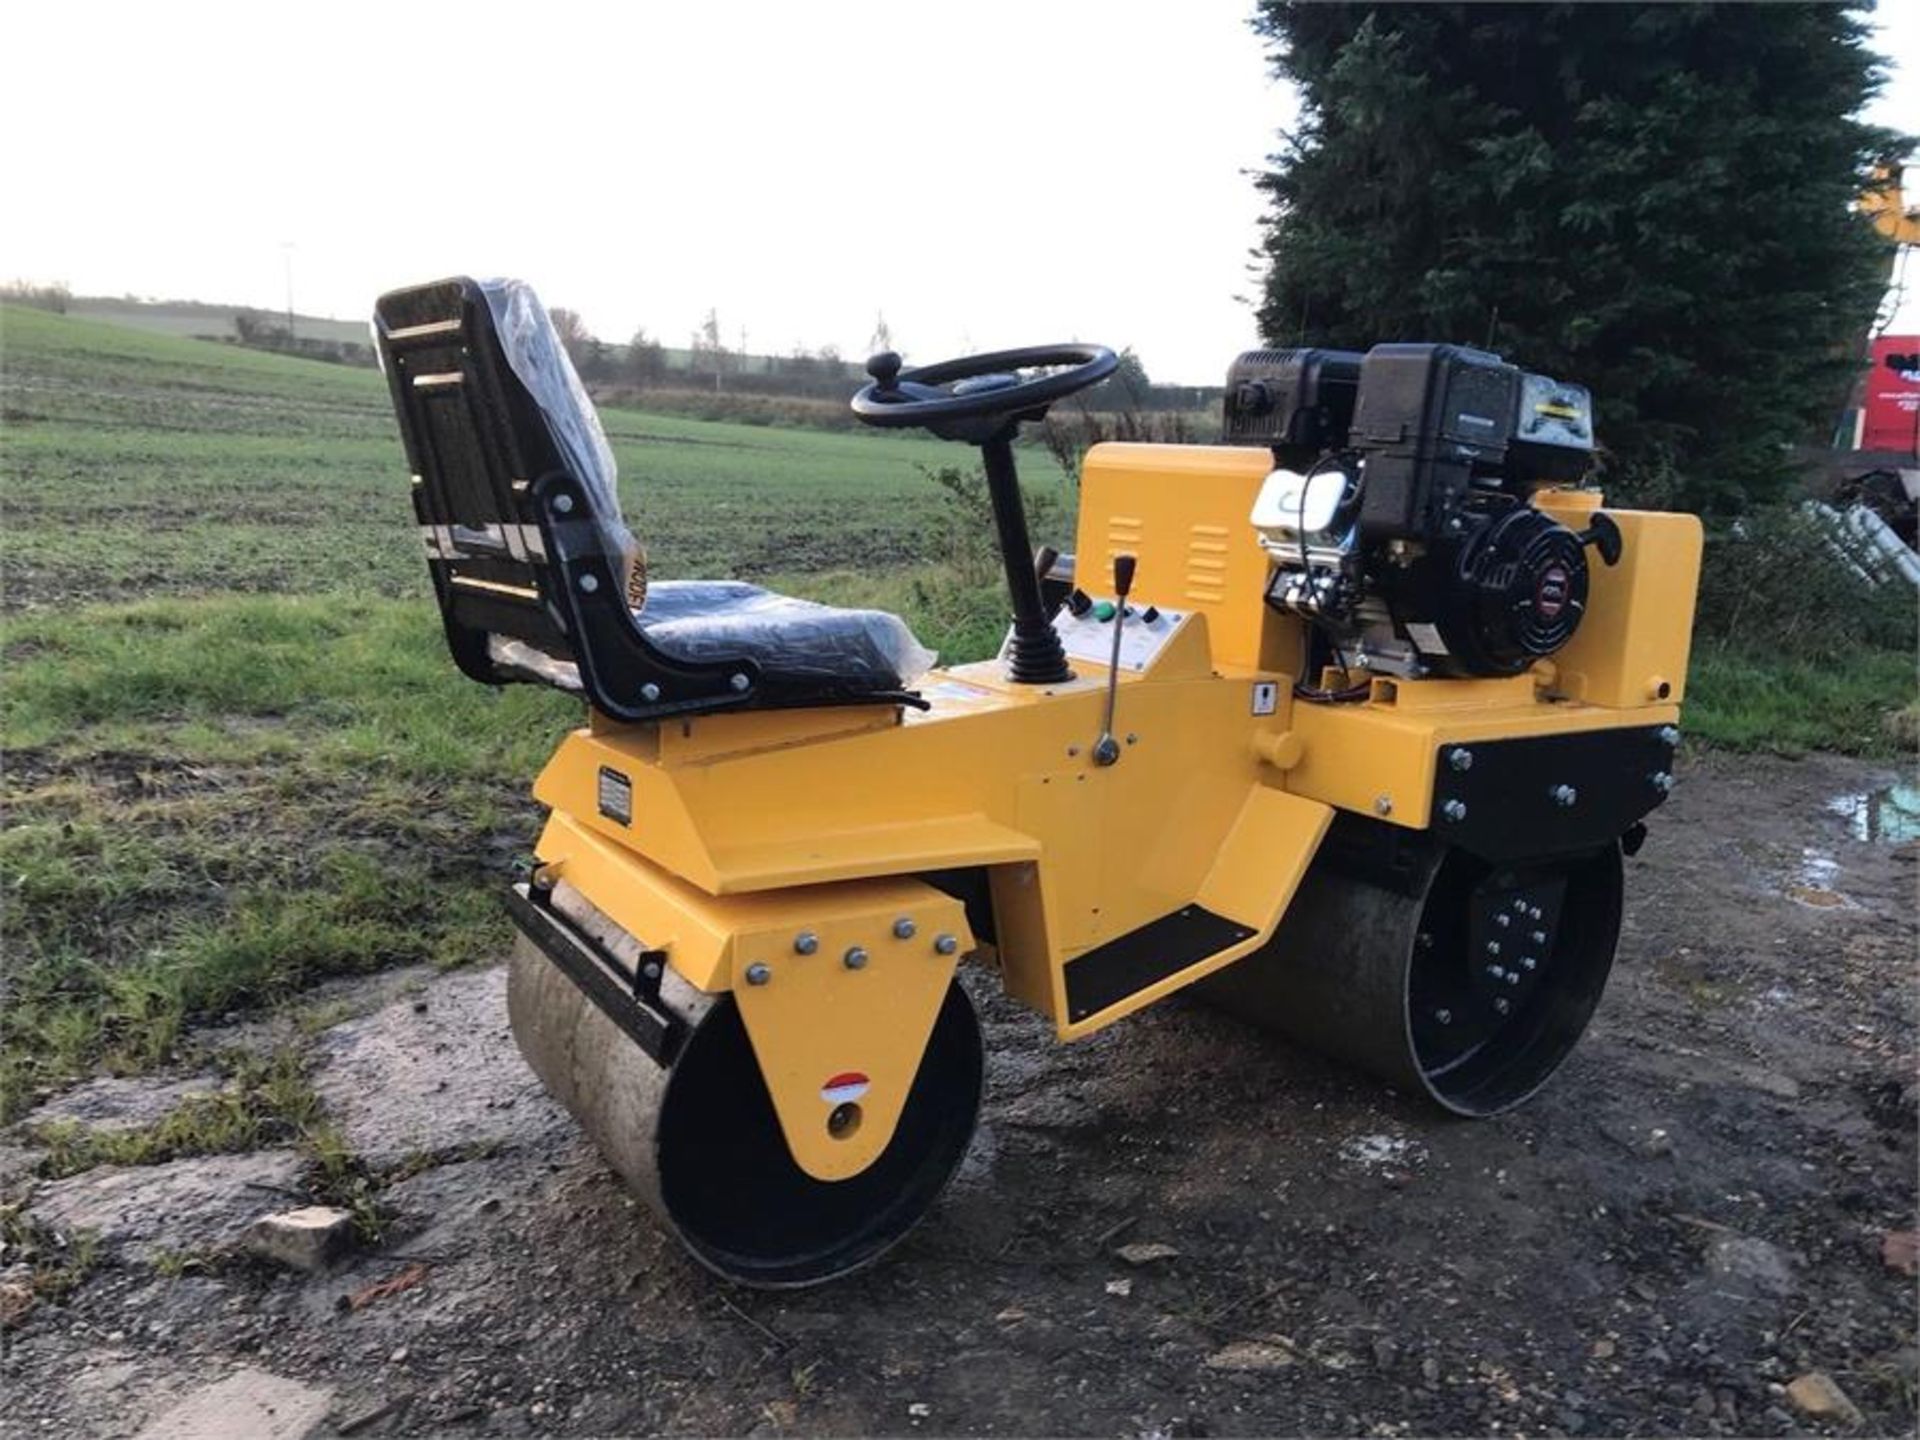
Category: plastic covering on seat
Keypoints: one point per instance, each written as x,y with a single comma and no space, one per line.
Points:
798,645
794,642
533,350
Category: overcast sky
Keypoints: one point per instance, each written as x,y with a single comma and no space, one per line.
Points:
985,173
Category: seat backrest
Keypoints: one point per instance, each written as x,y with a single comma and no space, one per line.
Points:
514,492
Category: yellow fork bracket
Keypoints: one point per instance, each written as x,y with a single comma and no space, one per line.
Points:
839,1005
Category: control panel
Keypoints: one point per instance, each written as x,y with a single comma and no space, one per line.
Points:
1085,627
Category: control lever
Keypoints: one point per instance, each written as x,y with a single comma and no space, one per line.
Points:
1106,749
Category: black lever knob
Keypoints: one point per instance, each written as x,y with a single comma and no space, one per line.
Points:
885,369
1604,535
1123,575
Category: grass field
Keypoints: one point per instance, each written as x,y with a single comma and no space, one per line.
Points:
237,759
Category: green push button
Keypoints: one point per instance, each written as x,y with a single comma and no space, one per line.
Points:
1103,610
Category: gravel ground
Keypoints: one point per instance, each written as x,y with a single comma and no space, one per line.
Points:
1703,1226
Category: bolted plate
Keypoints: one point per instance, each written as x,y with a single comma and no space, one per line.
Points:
1512,812
839,1030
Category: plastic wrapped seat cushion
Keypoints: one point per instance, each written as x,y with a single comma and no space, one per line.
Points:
795,642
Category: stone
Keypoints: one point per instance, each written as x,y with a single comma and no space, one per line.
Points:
248,1402
310,1238
200,1204
16,1299
1815,1394
1751,1266
1900,1250
1122,1288
383,1077
1146,1252
1251,1357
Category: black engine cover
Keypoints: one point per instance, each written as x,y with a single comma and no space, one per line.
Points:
1509,591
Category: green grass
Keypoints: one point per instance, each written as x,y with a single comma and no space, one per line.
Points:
1847,701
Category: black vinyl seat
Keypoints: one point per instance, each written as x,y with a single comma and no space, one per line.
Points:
514,488
795,642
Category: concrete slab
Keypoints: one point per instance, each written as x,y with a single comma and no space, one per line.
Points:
434,1074
203,1203
249,1402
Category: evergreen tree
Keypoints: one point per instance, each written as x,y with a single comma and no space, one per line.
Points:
1652,200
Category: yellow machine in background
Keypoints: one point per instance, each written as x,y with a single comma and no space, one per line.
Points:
1336,718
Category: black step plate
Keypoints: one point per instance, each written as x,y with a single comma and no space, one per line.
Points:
1109,974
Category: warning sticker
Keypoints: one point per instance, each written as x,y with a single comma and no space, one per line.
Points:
1266,697
844,1087
616,795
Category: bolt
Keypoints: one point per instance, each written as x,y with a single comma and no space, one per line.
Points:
1539,937
855,958
1662,781
1132,739
1527,962
1496,972
649,692
1493,947
903,929
1072,750
1513,977
1424,940
1533,912
1503,920
1519,907
805,943
758,973
563,504
1460,758
1670,735
1445,1017
1454,809
945,944
1383,805
739,683
651,970
1500,1005
1564,795
588,584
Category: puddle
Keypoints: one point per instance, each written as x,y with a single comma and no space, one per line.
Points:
1813,881
1887,816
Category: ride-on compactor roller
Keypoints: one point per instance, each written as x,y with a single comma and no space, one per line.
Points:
1349,718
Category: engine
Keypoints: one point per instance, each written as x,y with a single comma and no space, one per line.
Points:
1397,514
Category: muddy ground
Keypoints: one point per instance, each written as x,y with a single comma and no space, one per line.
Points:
1692,1218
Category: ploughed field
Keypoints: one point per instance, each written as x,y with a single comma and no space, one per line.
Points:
256,827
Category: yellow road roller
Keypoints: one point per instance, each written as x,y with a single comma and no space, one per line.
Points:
1345,722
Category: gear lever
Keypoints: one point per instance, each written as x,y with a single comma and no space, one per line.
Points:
1106,749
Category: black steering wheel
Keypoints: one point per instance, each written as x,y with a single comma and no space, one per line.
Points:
975,398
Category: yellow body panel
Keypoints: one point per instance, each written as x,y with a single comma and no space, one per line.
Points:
1182,511
1632,645
813,1016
